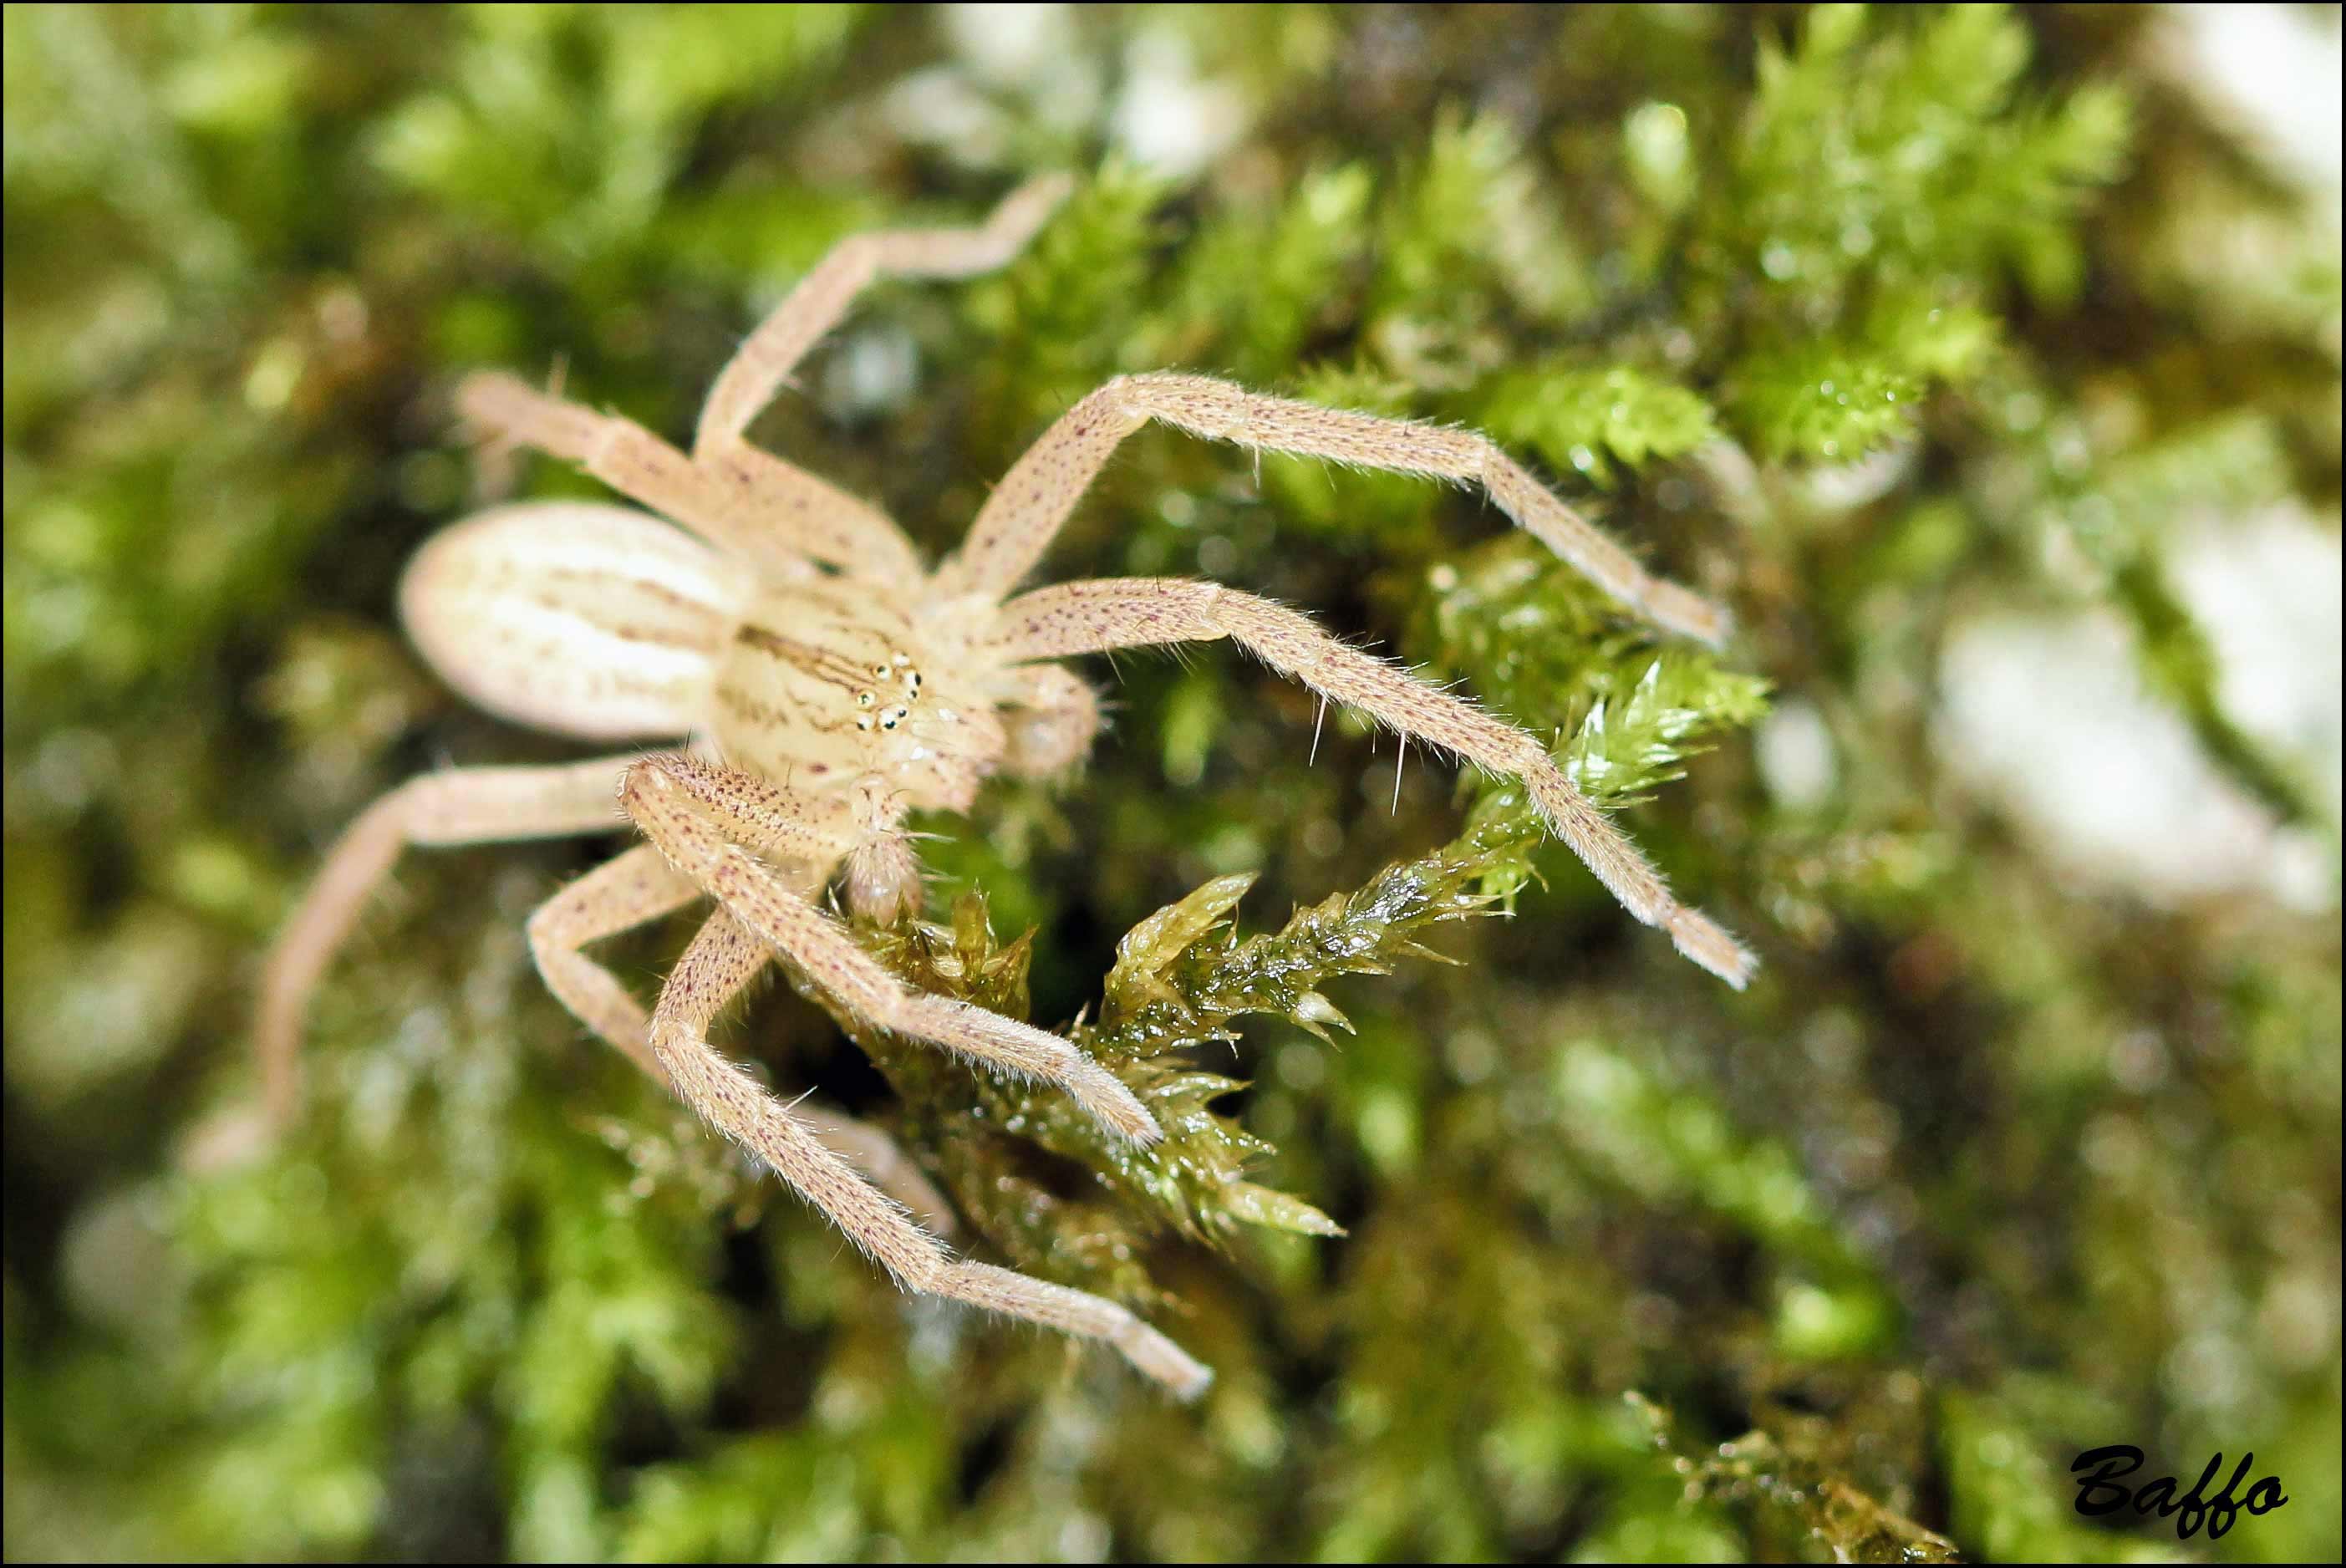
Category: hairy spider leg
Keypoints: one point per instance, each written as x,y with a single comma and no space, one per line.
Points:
743,500
1128,612
617,895
460,806
693,813
738,1106
762,366
747,503
1035,498
639,886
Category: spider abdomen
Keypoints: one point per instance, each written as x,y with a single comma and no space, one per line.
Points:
591,621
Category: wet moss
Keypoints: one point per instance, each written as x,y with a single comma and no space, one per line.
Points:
1874,324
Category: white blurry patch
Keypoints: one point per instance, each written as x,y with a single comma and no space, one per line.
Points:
872,372
1796,757
1835,488
1167,119
115,1267
1007,43
2269,73
2048,715
941,109
82,1013
1013,67
2267,591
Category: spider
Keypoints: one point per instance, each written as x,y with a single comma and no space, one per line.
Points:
831,684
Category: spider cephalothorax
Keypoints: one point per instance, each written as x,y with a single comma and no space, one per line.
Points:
831,684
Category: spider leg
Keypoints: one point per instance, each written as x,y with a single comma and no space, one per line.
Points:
787,1142
640,885
762,366
1049,721
1113,612
626,891
695,813
460,806
875,1154
1035,498
741,500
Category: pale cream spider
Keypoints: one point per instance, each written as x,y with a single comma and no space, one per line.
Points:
834,684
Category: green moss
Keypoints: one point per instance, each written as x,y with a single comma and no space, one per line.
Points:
1870,322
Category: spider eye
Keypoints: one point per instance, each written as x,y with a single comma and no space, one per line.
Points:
866,699
863,723
879,672
913,679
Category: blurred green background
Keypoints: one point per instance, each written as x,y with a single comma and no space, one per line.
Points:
1987,363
